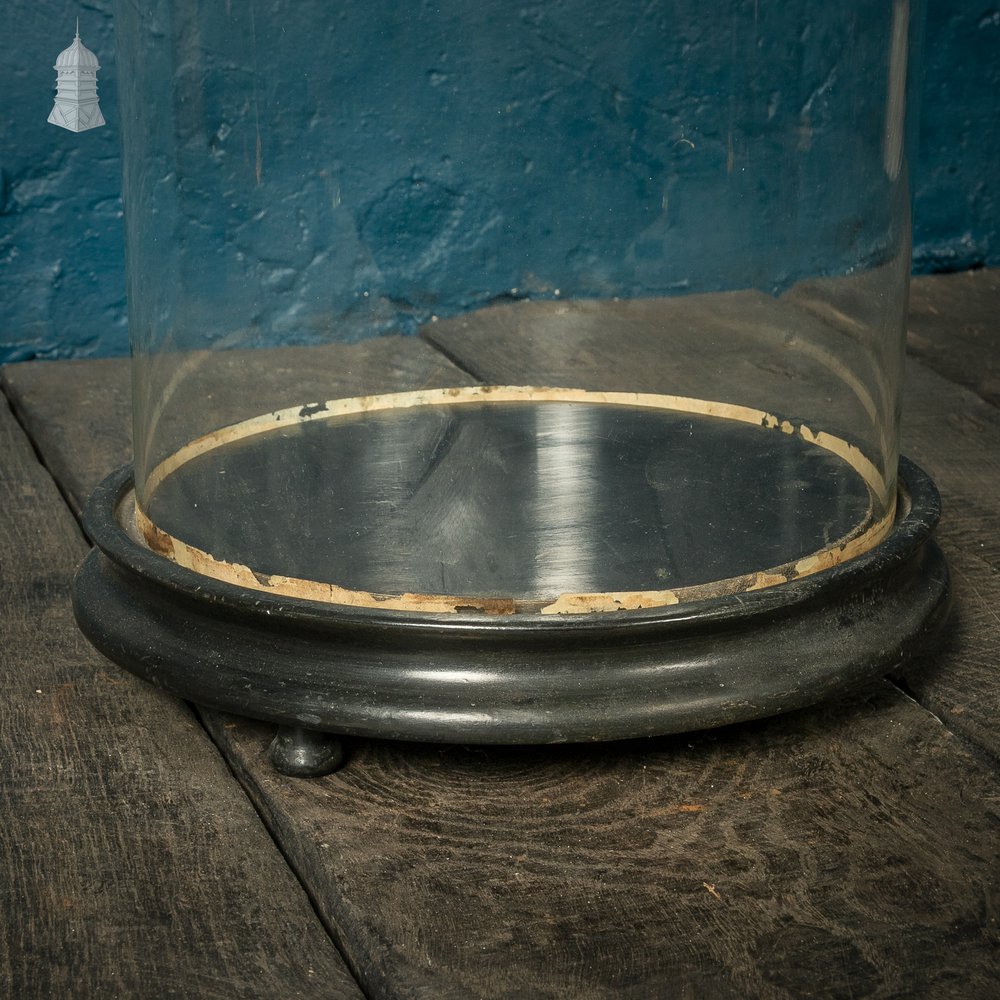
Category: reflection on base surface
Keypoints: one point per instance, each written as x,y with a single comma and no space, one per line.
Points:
525,500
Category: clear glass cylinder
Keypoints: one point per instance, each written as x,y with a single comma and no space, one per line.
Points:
558,308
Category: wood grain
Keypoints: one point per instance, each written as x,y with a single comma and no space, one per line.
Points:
847,851
954,328
82,422
842,852
954,331
80,418
184,396
736,347
132,863
955,436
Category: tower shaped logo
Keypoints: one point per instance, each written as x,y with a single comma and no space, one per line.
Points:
76,106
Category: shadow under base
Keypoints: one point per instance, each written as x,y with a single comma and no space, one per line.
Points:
522,678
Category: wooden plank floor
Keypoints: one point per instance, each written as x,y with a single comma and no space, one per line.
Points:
847,851
131,863
954,329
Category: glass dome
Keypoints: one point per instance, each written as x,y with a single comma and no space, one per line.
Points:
541,311
666,259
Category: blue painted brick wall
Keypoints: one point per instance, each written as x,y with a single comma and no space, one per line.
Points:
61,270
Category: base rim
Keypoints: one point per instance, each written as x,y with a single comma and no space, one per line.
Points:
520,679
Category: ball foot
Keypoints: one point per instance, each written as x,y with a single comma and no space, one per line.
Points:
305,753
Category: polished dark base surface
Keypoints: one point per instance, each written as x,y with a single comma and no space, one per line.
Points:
521,501
476,678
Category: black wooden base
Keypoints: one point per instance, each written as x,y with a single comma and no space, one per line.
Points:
522,678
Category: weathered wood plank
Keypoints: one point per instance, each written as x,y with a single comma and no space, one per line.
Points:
845,851
953,325
955,436
73,409
76,408
733,347
954,328
837,852
131,862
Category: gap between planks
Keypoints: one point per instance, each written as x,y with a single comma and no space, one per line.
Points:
197,713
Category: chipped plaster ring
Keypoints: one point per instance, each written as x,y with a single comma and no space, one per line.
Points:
863,537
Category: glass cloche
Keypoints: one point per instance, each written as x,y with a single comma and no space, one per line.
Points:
517,374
